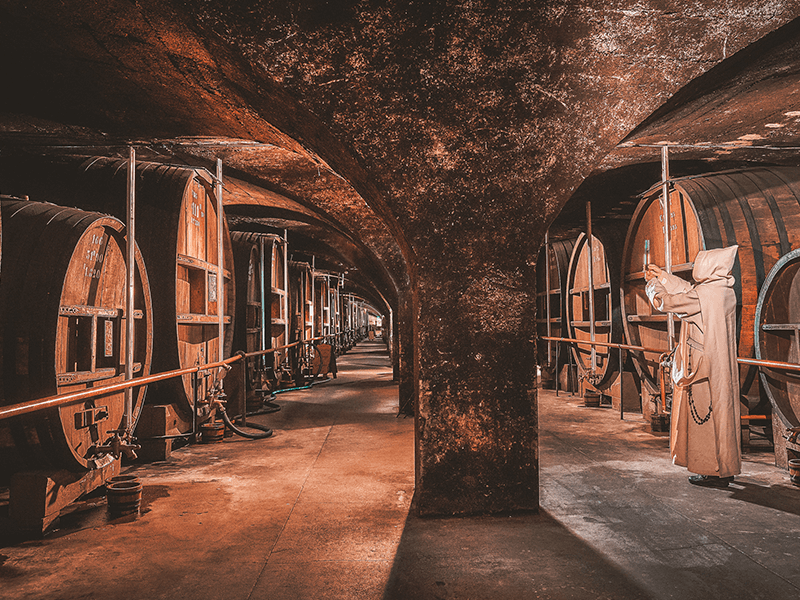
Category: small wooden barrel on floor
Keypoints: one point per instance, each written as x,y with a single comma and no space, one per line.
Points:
62,306
758,209
605,314
551,289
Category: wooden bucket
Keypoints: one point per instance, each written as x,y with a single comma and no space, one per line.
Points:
607,325
124,496
211,432
591,398
794,470
758,209
551,290
62,306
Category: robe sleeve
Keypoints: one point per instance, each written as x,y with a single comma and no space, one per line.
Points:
672,294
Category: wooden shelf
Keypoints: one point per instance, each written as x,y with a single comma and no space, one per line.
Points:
647,318
193,319
196,263
602,286
780,327
90,311
587,323
76,377
681,268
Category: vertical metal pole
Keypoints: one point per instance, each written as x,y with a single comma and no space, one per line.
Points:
262,283
313,308
221,264
243,418
569,372
129,297
556,367
285,303
547,295
590,275
195,393
667,232
621,386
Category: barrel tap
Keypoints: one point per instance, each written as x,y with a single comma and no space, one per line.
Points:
216,396
121,442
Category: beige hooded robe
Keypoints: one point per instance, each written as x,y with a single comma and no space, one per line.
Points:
705,434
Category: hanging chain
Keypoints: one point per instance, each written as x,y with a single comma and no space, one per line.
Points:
693,408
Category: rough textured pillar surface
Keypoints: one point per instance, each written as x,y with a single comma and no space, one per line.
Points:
407,391
477,428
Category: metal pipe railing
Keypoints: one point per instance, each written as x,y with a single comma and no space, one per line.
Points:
771,364
73,397
30,406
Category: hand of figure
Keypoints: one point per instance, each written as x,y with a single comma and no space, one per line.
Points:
652,272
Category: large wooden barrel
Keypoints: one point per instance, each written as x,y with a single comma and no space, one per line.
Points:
336,305
322,305
607,325
62,307
301,298
758,209
261,301
551,289
176,229
777,337
176,211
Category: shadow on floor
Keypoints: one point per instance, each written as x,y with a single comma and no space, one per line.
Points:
783,498
524,555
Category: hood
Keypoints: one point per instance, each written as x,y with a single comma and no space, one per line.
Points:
715,265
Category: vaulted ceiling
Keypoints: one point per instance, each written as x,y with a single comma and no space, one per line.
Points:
407,135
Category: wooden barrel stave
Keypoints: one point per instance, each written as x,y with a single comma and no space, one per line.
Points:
66,281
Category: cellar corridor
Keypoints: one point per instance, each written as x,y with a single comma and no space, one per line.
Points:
322,510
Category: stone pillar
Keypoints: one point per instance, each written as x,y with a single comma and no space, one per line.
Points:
477,444
405,354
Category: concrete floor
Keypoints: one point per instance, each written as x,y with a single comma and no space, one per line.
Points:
321,510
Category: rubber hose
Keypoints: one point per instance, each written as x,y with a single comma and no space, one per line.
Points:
267,432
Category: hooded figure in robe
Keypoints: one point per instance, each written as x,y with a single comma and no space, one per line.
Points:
705,434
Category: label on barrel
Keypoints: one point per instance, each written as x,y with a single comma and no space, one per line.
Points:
197,212
212,287
93,266
108,331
